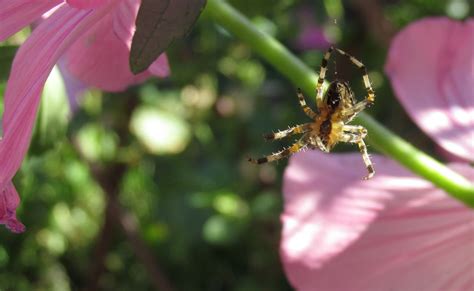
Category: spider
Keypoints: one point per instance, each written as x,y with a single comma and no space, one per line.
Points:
335,110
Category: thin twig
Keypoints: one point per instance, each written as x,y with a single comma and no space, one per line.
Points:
109,176
371,13
129,226
104,242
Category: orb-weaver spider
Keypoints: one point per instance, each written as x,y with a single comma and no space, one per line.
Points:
335,110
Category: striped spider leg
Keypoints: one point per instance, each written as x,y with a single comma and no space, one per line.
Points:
330,121
296,147
356,134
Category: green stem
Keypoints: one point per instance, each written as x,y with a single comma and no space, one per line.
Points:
380,137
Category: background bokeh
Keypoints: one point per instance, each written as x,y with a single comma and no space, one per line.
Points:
151,187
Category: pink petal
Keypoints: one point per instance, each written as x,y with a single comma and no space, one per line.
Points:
160,67
9,201
312,37
100,58
25,83
31,66
87,4
431,67
16,14
124,20
393,232
75,88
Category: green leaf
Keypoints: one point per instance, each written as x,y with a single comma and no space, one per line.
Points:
159,23
7,53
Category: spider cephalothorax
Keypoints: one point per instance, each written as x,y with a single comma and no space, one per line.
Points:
335,110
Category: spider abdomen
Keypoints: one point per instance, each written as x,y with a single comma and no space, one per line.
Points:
325,132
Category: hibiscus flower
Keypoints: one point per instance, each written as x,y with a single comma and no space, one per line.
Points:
92,38
396,231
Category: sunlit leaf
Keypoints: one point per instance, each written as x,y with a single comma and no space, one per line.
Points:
230,204
97,143
159,131
219,230
53,114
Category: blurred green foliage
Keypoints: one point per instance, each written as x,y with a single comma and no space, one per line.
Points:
209,219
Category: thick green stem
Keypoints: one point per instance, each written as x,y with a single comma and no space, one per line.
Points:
380,137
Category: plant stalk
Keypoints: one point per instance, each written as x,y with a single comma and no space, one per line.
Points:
302,76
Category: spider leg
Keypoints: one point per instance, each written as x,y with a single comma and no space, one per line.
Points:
351,112
301,128
356,134
296,147
311,114
358,130
322,74
366,158
370,99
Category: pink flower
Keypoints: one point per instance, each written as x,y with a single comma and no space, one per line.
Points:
311,35
396,231
92,37
431,66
